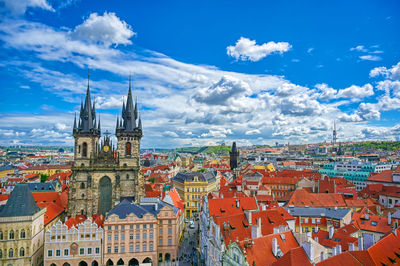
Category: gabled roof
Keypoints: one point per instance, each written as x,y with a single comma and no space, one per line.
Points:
227,206
20,203
301,198
373,223
295,257
337,239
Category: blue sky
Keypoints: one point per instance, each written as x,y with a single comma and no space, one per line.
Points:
204,72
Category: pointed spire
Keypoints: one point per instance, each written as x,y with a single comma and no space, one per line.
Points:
74,129
87,115
136,109
98,126
140,123
128,113
117,126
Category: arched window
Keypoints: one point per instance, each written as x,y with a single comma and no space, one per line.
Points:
82,185
128,149
79,149
1,235
22,233
127,176
84,149
10,253
12,234
1,254
22,252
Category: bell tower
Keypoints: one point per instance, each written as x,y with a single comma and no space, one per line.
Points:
129,133
86,133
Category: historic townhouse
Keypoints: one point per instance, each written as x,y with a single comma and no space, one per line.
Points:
21,229
76,242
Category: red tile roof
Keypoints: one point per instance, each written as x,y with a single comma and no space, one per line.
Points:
337,239
295,257
48,197
342,259
302,198
52,211
384,176
260,253
374,223
224,206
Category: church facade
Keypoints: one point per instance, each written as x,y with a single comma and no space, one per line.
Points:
103,175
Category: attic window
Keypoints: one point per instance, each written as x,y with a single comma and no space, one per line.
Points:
337,239
283,237
222,210
374,223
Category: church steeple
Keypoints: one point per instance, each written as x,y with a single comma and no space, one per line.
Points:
129,119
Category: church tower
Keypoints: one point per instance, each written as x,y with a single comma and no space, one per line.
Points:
101,175
234,157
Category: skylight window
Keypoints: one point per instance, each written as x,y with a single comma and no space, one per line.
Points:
374,223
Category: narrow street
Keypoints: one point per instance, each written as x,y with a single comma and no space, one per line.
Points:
188,254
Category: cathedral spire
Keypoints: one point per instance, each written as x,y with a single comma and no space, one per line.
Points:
74,129
128,113
136,109
98,125
117,126
87,114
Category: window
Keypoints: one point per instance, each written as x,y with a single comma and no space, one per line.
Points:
151,226
1,254
22,234
122,236
131,226
122,227
12,234
116,227
131,236
115,237
49,253
1,235
11,253
128,149
89,251
22,252
115,249
160,242
66,252
109,227
81,251
144,226
144,247
137,248
58,252
160,231
122,249
169,241
109,237
151,247
109,249
131,248
144,235
151,235
97,250
82,185
138,226
170,230
84,149
137,235
169,221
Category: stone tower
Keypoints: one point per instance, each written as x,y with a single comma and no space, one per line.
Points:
102,175
234,157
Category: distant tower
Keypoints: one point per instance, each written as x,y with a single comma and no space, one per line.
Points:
334,137
234,157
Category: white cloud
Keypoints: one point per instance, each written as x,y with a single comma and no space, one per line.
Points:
246,49
106,29
309,50
359,48
170,134
392,73
252,132
355,91
19,6
326,92
370,58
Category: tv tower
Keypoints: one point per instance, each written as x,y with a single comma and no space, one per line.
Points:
334,137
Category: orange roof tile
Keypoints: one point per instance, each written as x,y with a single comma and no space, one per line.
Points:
295,257
224,206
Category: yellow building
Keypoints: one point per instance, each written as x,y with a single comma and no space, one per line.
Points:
269,167
47,169
6,170
192,186
21,229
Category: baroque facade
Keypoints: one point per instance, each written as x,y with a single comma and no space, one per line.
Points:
102,174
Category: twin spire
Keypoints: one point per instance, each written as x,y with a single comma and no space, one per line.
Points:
130,120
87,122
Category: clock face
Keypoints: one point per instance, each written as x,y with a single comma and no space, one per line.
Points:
106,148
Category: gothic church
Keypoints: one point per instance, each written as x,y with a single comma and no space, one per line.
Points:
102,175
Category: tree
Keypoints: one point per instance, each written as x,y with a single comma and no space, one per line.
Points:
43,178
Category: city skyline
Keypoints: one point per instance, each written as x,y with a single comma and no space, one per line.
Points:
203,73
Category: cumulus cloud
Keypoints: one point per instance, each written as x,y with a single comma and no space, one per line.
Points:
355,91
365,111
221,91
170,134
246,49
370,57
106,29
326,92
19,7
392,73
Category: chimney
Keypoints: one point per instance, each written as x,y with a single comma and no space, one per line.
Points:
351,247
309,249
338,249
367,216
331,231
389,218
309,234
274,246
360,243
248,215
237,203
258,227
333,251
322,256
316,229
264,208
317,239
